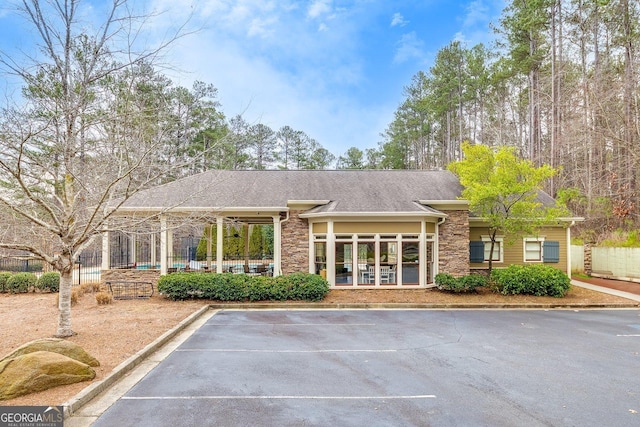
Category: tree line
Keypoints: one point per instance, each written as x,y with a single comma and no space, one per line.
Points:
561,86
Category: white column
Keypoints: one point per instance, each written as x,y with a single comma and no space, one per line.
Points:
219,244
277,246
164,253
399,261
568,249
106,251
331,254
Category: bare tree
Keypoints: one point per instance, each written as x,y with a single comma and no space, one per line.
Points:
83,138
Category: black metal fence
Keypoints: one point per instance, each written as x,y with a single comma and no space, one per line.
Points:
86,269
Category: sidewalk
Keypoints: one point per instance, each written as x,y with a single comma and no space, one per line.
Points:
619,288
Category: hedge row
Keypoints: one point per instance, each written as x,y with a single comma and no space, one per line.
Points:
469,283
24,282
242,287
535,279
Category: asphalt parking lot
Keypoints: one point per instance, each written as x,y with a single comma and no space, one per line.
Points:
395,368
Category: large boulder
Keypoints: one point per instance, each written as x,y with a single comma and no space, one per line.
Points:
56,345
40,370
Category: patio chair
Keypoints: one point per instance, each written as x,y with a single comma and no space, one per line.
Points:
371,274
385,274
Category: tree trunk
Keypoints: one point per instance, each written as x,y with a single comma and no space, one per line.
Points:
63,266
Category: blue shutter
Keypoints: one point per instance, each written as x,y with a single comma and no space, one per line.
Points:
476,251
551,251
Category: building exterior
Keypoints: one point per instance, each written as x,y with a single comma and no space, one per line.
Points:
357,228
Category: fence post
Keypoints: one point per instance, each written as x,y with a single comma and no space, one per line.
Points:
79,262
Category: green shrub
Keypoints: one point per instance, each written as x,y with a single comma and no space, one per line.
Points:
535,279
21,282
242,287
49,281
469,283
306,287
4,276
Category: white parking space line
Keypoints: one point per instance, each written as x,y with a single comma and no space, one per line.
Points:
290,324
420,396
235,350
628,335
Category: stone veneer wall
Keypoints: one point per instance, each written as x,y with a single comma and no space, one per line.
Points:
295,244
131,275
453,244
588,257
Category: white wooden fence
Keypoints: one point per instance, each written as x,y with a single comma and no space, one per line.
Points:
577,259
617,263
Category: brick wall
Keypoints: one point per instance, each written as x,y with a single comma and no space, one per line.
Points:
453,244
295,244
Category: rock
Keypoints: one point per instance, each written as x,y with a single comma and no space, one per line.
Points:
56,345
40,370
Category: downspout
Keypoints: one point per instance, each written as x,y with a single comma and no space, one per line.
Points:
569,248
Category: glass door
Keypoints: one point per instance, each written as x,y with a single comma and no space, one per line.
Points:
388,262
411,263
344,264
366,263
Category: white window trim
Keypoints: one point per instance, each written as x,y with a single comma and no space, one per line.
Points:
499,239
524,249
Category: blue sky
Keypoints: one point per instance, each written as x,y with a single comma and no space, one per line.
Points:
334,69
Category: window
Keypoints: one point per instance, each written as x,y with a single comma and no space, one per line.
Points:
479,251
533,249
321,257
497,248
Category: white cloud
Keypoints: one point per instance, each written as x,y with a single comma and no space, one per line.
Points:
477,12
475,22
319,8
285,63
410,47
398,20
262,27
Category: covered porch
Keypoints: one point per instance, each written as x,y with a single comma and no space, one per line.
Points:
233,243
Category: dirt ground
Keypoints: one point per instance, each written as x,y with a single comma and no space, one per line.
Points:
112,333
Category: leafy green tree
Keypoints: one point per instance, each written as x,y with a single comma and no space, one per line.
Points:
232,152
448,80
321,158
525,23
256,242
503,190
263,142
353,159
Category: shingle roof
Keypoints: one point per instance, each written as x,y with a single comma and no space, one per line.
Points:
348,191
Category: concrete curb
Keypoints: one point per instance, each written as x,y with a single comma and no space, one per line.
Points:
365,306
89,393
